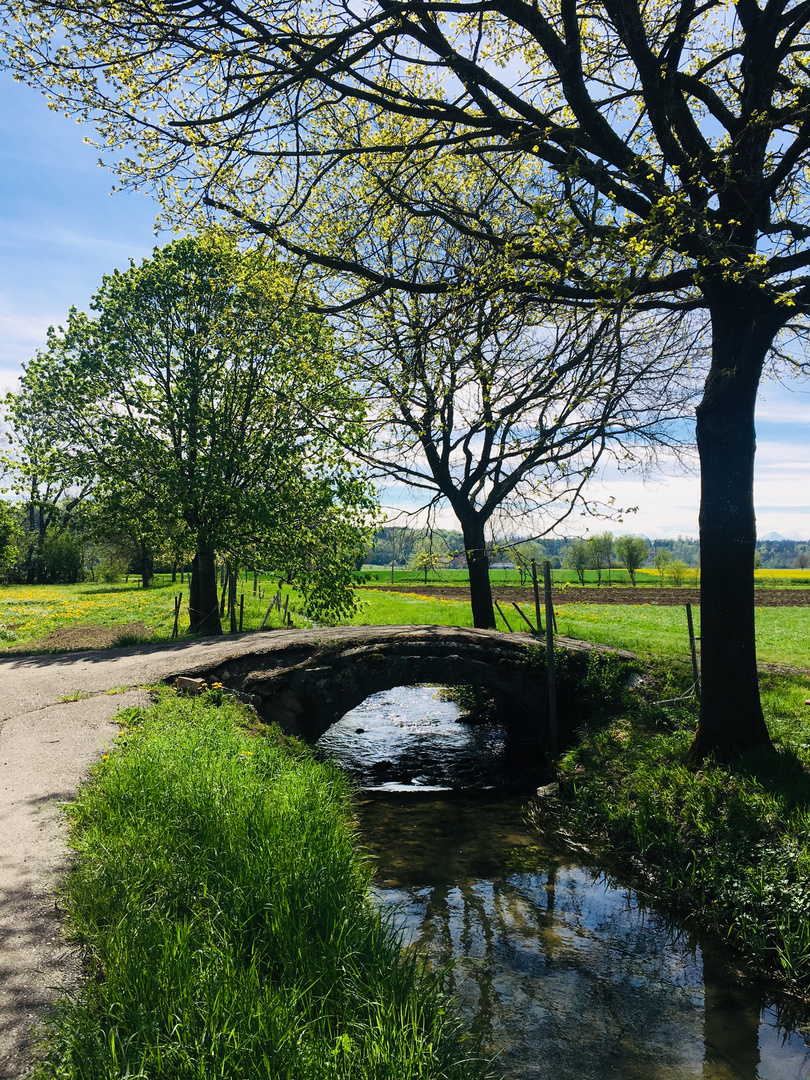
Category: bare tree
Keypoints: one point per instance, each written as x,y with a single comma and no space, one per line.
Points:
496,406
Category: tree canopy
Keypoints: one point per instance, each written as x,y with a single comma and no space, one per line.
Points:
632,551
202,391
655,152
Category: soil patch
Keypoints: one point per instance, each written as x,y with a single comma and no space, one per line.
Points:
91,636
614,595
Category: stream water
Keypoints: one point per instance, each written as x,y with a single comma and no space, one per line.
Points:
561,971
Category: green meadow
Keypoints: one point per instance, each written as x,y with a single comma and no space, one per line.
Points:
29,613
783,633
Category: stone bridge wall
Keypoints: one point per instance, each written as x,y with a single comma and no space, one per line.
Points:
310,681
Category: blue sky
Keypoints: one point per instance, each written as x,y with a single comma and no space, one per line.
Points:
61,230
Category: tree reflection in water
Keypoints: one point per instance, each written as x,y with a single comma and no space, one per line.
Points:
559,972
562,974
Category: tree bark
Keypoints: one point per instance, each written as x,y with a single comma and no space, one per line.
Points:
483,612
147,561
203,602
730,711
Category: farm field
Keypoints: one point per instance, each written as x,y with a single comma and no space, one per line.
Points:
616,594
783,633
645,578
52,618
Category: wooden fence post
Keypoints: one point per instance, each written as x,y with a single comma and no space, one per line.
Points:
552,678
693,650
267,613
498,609
536,597
520,613
177,602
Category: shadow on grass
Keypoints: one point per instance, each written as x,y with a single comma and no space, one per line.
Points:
783,775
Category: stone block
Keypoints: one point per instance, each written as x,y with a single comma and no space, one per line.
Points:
186,685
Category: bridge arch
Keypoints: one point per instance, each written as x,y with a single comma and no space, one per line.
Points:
305,681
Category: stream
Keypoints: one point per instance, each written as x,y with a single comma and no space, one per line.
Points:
559,970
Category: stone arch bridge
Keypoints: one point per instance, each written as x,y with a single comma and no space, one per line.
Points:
306,680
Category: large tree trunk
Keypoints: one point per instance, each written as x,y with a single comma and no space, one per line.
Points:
730,712
203,604
475,546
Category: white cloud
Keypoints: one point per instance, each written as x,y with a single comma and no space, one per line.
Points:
22,327
796,412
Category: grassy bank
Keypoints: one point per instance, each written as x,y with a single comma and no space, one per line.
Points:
729,844
228,923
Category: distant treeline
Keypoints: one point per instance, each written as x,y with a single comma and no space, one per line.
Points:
403,545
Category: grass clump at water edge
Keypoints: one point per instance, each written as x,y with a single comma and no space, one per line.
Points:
728,843
227,922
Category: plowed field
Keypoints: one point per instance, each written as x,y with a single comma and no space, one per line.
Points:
613,595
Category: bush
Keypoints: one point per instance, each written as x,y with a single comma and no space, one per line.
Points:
62,562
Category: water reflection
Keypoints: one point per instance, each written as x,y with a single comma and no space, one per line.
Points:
560,972
409,737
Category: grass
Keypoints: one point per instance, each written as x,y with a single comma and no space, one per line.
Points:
729,844
227,919
648,629
76,695
30,612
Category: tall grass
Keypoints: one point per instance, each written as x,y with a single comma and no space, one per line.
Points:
228,923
